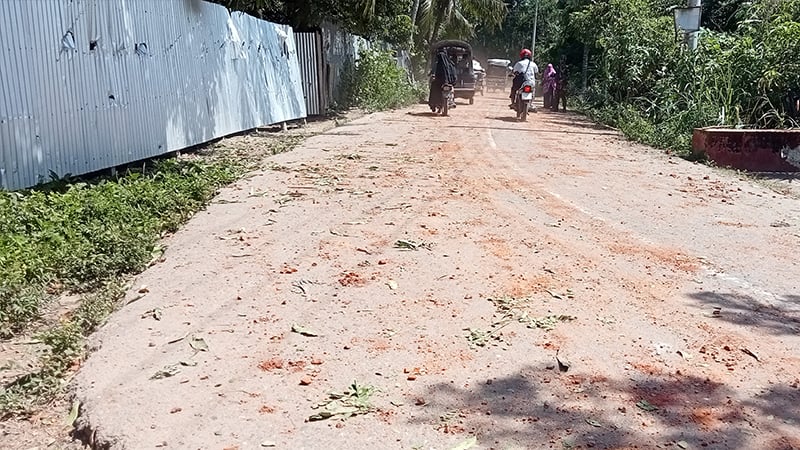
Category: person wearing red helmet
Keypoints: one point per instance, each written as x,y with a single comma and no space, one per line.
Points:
524,70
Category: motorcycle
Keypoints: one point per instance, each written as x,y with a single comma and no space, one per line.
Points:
522,100
448,99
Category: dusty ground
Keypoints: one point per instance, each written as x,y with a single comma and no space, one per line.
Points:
683,282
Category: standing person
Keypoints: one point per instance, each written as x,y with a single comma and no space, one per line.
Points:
443,72
549,86
524,70
561,88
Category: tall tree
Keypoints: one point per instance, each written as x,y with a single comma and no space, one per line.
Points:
457,18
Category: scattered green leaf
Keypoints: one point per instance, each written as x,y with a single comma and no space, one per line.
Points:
467,444
352,402
644,405
411,245
594,423
546,323
198,344
303,331
166,372
73,413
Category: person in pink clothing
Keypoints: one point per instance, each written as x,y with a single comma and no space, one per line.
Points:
549,86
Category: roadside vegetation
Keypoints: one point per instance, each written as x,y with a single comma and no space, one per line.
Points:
375,82
85,238
643,81
627,67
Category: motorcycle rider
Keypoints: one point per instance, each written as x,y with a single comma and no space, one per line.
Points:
524,70
443,72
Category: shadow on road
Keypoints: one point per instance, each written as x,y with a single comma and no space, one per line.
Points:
539,407
510,119
577,122
424,114
532,130
745,310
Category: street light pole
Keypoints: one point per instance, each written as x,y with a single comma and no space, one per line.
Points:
693,37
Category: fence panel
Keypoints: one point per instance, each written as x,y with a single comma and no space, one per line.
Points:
89,84
309,47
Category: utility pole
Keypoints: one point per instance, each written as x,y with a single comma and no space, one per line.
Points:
693,37
535,22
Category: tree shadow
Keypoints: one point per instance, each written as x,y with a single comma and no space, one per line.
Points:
539,407
745,310
790,177
424,114
509,119
576,121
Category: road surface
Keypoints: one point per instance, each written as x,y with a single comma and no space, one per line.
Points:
532,285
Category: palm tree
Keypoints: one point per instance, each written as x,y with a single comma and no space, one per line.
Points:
456,18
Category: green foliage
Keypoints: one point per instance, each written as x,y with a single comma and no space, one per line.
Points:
384,20
85,237
644,82
375,82
76,236
456,19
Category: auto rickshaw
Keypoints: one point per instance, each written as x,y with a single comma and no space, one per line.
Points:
460,54
498,72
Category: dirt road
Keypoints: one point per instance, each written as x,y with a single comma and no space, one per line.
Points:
537,285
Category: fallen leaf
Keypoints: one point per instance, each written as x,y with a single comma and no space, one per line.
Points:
73,413
467,444
644,405
682,444
198,344
749,352
594,423
166,372
154,313
188,363
303,331
563,363
555,295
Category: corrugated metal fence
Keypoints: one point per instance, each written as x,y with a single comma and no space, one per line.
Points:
324,56
309,47
91,84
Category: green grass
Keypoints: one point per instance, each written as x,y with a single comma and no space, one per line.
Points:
86,237
77,236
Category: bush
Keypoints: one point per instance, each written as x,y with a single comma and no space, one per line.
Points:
657,93
375,82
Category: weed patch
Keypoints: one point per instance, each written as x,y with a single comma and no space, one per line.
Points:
86,237
375,83
356,400
512,310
